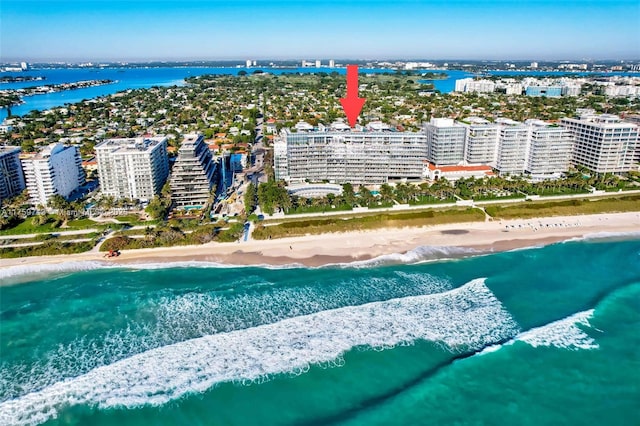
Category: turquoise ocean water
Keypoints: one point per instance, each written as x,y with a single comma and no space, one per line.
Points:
540,336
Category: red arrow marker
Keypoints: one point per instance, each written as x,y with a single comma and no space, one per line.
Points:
352,104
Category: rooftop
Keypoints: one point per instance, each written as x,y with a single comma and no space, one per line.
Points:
50,150
7,149
124,145
190,141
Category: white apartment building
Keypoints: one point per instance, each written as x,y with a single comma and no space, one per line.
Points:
478,86
481,141
550,150
11,176
604,143
133,168
445,141
368,157
622,91
192,176
56,170
513,143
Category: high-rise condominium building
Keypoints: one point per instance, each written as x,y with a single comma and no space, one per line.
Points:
368,157
481,141
56,170
550,150
11,176
192,176
133,168
513,143
604,143
445,141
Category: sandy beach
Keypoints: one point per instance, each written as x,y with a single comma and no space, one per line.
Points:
317,250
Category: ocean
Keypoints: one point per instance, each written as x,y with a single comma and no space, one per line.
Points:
140,78
538,336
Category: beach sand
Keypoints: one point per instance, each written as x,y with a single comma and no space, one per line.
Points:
317,250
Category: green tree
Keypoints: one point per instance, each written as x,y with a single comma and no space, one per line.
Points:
348,194
157,208
250,199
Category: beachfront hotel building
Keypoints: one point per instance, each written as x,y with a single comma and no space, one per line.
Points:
55,170
513,144
604,143
481,144
11,176
534,148
193,174
445,141
550,150
134,168
358,157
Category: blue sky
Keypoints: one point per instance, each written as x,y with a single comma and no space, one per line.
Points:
73,30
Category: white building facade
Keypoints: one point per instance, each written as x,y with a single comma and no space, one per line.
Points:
513,144
371,157
11,175
192,176
604,143
134,168
481,141
56,170
550,150
445,141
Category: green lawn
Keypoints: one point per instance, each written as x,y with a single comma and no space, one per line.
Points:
295,228
50,247
130,218
82,223
26,226
531,209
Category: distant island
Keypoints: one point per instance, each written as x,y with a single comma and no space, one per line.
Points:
10,97
20,79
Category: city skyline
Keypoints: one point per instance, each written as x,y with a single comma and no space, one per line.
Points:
145,30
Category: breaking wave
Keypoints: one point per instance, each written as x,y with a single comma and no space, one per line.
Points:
464,319
166,318
565,334
417,255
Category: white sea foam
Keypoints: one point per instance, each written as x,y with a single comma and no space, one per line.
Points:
465,318
205,264
606,235
165,318
565,334
43,269
417,255
32,271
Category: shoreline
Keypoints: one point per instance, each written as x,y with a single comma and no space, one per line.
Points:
421,243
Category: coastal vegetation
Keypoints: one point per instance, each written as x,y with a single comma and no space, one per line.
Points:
174,234
369,221
574,207
273,196
53,247
224,108
296,228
